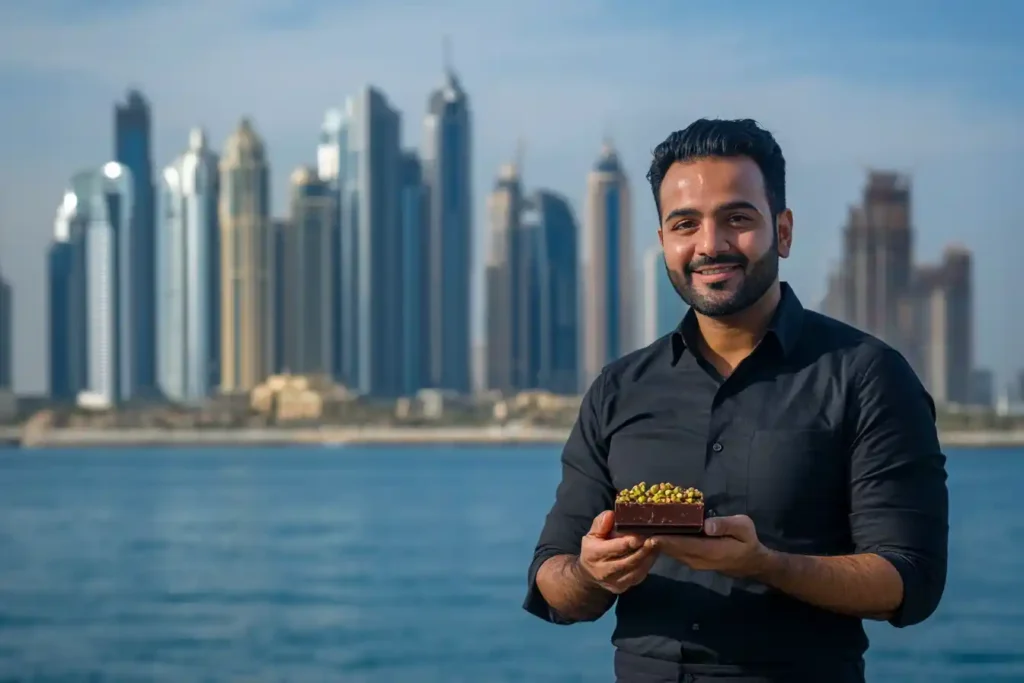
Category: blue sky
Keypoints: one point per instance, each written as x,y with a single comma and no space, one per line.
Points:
933,89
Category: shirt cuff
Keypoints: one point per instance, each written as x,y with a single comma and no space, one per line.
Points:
916,599
535,603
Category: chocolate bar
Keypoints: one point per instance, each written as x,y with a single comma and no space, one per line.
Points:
660,509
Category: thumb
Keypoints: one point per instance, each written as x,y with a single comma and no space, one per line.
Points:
603,524
737,526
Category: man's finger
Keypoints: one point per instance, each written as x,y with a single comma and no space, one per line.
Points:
684,545
637,574
623,565
612,548
603,525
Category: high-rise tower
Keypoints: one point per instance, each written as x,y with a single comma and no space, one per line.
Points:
447,169
247,262
555,317
505,206
878,259
91,327
331,151
6,334
133,150
371,284
608,321
413,263
307,330
188,275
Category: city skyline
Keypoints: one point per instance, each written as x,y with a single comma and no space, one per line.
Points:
951,130
271,291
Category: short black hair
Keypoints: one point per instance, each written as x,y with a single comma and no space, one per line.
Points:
723,138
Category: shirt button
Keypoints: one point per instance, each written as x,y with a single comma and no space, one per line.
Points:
716,447
696,627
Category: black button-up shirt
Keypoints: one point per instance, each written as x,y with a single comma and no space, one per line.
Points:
824,436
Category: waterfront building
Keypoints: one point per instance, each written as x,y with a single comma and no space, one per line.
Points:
608,320
506,354
188,275
370,240
926,311
6,334
91,326
331,150
412,266
247,260
307,277
447,171
555,296
133,150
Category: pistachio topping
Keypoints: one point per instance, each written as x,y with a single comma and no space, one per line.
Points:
658,493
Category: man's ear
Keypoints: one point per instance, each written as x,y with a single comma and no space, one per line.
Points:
784,232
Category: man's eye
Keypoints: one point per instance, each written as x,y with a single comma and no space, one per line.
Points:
738,218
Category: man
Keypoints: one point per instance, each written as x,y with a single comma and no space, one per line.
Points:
814,444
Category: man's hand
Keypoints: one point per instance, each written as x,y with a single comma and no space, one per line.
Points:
614,563
731,547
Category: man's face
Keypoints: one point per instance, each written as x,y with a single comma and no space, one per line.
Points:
721,246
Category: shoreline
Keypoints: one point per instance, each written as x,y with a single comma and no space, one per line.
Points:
315,436
341,436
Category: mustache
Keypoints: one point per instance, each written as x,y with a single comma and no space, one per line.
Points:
722,260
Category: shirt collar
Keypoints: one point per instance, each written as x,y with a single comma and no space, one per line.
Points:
785,325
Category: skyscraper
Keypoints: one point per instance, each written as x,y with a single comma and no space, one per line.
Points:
132,149
6,334
371,284
91,328
307,277
505,206
925,311
447,161
247,263
188,275
66,298
556,301
608,323
279,228
957,262
942,325
663,308
413,271
331,150
875,273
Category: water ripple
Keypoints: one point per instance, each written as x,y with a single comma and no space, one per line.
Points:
378,565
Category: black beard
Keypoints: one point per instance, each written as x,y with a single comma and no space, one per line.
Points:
757,279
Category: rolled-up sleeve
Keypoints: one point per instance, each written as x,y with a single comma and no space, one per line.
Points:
584,492
899,498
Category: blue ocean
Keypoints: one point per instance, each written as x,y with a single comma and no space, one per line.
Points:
382,565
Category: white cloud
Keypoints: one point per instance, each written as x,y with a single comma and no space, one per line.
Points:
559,75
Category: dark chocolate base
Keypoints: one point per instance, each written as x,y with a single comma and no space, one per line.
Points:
659,518
662,530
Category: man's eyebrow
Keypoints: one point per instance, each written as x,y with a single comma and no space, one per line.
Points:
688,212
682,213
740,204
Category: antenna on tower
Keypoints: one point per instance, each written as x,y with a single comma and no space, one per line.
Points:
606,138
446,53
520,154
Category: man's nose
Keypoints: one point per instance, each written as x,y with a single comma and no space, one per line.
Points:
712,239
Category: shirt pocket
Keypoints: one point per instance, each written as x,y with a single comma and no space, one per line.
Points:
798,485
654,456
